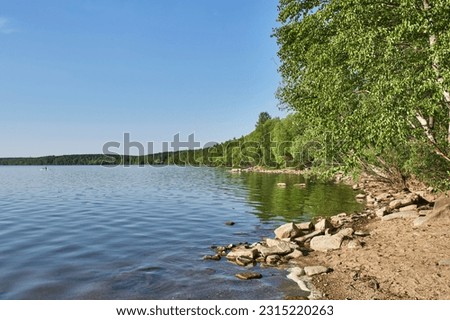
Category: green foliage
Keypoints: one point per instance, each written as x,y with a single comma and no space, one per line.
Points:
424,165
275,143
262,119
364,76
78,159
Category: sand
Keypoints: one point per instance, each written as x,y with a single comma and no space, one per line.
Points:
397,261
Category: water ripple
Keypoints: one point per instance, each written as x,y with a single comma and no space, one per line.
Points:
130,233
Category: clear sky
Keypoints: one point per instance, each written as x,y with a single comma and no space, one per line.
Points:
75,74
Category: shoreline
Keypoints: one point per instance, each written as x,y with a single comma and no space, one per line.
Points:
259,169
338,178
405,255
396,248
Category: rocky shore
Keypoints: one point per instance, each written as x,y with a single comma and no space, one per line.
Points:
259,169
405,255
397,248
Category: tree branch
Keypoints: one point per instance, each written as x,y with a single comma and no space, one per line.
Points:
424,124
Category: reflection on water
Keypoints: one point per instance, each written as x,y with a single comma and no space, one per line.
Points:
140,233
299,200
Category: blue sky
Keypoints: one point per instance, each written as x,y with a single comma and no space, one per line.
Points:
75,74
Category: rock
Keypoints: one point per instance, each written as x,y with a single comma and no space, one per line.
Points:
215,257
305,226
274,242
242,252
309,236
300,185
220,249
273,259
410,199
297,271
440,213
425,207
347,232
254,244
314,270
444,262
423,213
442,201
430,198
295,254
395,204
401,215
281,184
248,275
323,224
383,197
419,221
382,212
288,230
337,222
361,196
355,187
281,243
243,261
361,233
339,219
330,242
325,243
281,248
411,207
295,275
240,262
229,223
235,170
356,216
290,297
373,284
421,193
354,244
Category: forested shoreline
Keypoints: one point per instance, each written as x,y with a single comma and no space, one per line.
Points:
269,145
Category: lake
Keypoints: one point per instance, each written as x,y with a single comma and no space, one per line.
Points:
88,232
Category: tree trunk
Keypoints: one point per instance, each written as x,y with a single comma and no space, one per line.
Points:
440,80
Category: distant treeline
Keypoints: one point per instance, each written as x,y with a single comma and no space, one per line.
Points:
91,159
273,143
75,159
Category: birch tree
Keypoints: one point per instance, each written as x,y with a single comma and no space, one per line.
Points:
374,73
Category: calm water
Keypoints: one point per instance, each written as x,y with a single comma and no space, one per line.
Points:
140,233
